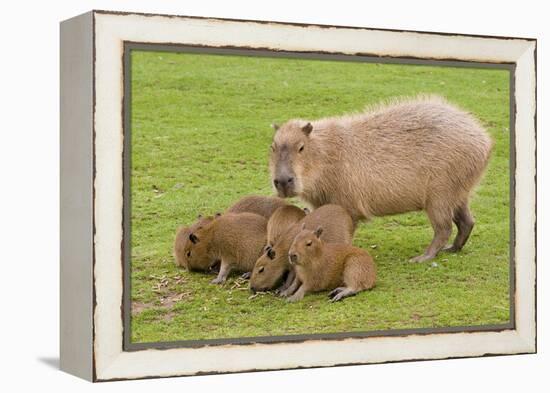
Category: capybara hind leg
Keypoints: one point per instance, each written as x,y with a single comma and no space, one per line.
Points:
465,223
344,292
442,225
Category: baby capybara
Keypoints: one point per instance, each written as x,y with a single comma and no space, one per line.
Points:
281,220
272,265
235,239
341,268
261,205
415,154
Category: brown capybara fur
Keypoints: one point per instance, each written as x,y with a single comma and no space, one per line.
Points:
319,266
282,219
414,154
235,239
273,264
261,205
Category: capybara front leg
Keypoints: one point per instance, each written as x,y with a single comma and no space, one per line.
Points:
298,295
246,276
465,223
225,269
292,288
288,282
443,227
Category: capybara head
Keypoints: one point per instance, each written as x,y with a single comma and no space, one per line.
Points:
196,249
269,270
291,157
306,245
181,248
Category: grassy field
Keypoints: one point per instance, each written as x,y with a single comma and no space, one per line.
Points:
200,140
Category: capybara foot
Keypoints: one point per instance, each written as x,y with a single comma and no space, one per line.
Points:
218,280
451,248
421,258
296,297
246,276
342,293
284,292
335,291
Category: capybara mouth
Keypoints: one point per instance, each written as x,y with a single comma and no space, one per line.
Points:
286,192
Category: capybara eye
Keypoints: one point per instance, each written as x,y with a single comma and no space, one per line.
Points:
188,254
308,243
301,149
261,269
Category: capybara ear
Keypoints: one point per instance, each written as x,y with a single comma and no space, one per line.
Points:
218,215
275,126
307,129
267,248
318,232
306,210
271,253
194,239
199,216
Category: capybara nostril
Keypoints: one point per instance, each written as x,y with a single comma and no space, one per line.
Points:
290,180
276,182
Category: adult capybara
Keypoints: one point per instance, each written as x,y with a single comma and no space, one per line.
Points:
273,264
415,154
321,266
261,205
235,239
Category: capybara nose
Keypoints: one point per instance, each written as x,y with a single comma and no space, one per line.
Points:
293,258
282,182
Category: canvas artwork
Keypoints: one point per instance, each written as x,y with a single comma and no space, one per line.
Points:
250,195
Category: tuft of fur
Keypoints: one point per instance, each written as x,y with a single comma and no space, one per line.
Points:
413,154
271,267
320,266
257,204
235,239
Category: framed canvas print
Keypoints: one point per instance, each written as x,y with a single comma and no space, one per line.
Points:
245,195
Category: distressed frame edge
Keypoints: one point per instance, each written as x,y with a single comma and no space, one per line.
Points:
527,341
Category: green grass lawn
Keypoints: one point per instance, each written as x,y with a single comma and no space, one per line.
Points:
200,140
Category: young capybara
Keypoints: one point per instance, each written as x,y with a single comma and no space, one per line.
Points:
273,264
261,205
415,154
235,239
182,238
282,219
321,266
